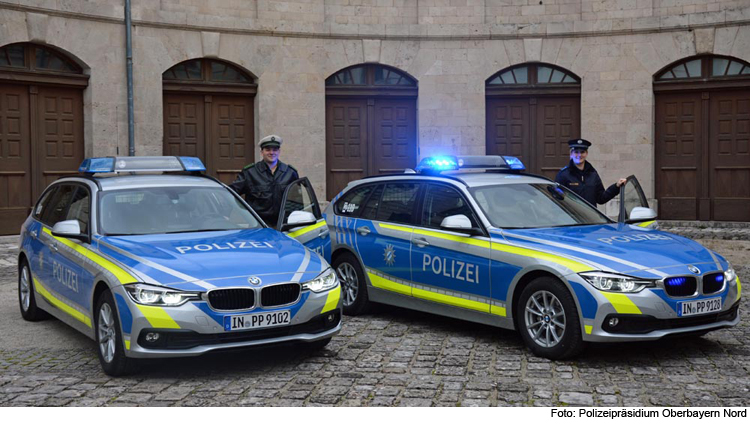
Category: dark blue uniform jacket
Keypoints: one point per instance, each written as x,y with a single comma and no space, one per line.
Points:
586,183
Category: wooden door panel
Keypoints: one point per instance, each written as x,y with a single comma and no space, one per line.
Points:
729,152
508,129
15,158
59,133
394,137
231,146
678,141
346,143
184,125
558,120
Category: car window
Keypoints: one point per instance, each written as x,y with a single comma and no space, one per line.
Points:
397,202
370,210
351,203
441,202
172,209
79,209
299,198
44,202
57,208
534,206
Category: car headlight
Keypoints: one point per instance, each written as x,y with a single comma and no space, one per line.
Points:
152,295
729,274
610,282
325,281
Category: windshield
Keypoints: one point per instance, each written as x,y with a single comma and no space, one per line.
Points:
512,206
172,209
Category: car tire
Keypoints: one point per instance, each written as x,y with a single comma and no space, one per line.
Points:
353,284
108,335
548,320
27,297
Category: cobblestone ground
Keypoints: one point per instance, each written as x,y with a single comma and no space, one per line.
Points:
391,357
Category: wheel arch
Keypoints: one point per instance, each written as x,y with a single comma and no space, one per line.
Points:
527,277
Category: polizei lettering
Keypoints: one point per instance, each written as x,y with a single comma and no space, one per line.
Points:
638,238
65,276
451,268
223,246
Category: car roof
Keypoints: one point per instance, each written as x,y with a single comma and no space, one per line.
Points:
144,181
465,178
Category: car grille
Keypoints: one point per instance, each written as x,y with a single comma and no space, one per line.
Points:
713,282
281,294
680,286
232,298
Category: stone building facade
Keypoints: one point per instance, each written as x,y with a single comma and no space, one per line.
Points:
613,50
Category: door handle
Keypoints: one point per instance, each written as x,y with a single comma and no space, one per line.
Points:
33,234
421,242
53,246
363,231
323,233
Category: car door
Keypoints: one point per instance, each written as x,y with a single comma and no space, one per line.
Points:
634,208
65,272
449,267
300,196
34,246
383,235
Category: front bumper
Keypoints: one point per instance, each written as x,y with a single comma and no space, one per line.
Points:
651,314
195,328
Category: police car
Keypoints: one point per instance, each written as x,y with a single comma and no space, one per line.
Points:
151,259
477,239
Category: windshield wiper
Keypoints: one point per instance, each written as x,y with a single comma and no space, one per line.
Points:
200,231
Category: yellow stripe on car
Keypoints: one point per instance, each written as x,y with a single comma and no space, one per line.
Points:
158,317
117,271
498,311
61,305
739,288
127,344
386,284
645,224
573,265
450,300
588,328
306,229
332,301
621,303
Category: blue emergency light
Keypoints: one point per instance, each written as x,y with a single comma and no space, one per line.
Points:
438,164
452,163
100,165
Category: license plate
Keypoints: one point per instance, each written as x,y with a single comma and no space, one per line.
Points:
704,306
257,320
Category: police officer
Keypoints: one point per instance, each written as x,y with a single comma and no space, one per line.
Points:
581,177
263,183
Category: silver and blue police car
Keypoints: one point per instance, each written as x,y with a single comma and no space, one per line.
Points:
151,263
477,239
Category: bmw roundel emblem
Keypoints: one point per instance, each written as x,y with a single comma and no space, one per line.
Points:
694,269
254,280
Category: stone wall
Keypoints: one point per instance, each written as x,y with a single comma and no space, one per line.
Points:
616,64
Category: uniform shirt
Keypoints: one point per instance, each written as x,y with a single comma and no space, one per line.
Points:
264,190
586,183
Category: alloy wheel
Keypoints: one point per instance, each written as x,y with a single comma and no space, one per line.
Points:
545,318
25,288
106,333
349,282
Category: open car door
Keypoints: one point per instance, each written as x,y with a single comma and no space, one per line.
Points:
301,219
634,207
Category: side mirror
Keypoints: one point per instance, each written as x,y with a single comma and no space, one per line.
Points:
639,214
70,229
299,218
459,223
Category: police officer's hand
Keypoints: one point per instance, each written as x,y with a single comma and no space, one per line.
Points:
621,181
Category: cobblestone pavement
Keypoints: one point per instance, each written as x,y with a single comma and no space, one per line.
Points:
392,357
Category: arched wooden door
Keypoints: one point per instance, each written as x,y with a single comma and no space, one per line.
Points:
703,139
41,125
371,124
208,113
532,111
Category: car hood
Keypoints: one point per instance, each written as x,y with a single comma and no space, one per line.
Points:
215,259
620,248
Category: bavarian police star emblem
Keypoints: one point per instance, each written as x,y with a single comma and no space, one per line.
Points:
389,255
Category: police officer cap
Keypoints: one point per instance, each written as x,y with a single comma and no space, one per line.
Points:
582,144
270,141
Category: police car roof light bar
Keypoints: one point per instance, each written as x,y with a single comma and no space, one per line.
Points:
438,164
141,164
